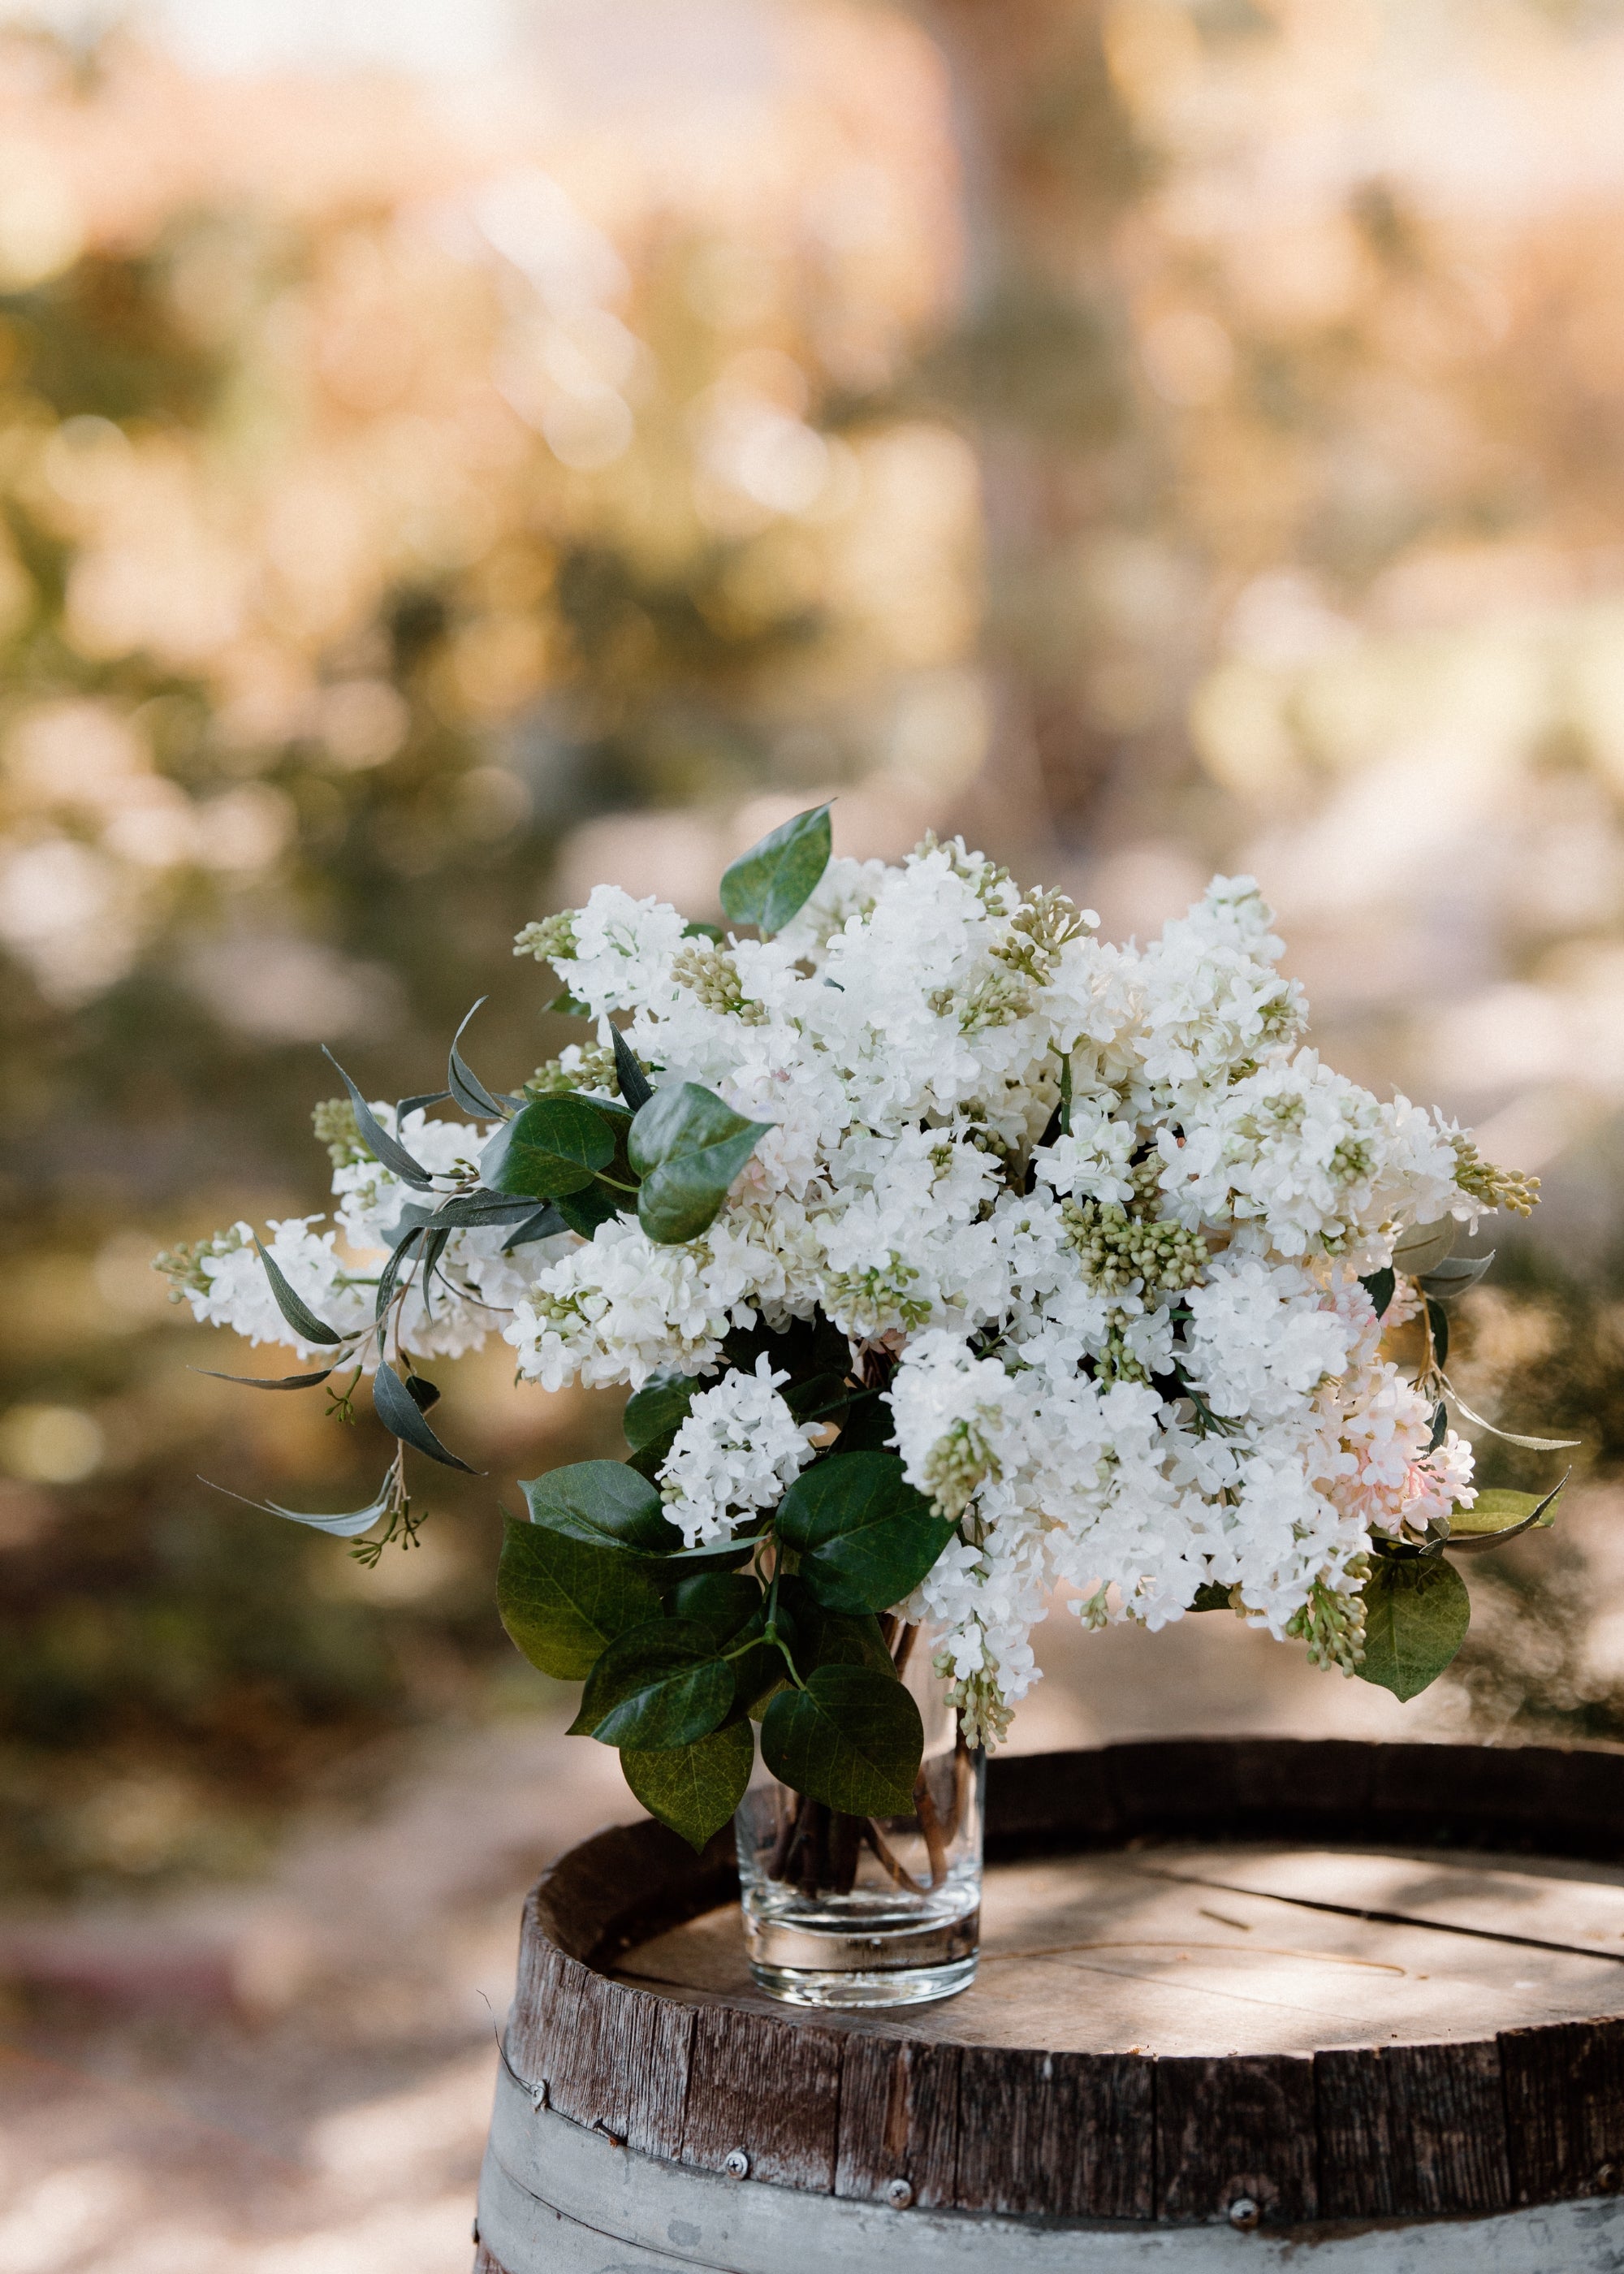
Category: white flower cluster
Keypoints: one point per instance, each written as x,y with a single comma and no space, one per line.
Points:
1095,1211
735,1454
1135,1358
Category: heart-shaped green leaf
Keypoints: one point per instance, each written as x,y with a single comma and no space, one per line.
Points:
852,1738
606,1504
1416,1612
865,1537
687,1147
662,1684
1379,1286
563,1602
820,1637
693,1788
766,885
658,1408
556,1145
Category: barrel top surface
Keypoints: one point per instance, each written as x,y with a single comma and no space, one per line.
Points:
1242,1948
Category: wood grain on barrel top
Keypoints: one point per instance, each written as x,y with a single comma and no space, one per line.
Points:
1264,1968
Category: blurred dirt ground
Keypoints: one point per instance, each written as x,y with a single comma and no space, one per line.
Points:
294,2077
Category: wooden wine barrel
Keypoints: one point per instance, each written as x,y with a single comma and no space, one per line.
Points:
1333,2004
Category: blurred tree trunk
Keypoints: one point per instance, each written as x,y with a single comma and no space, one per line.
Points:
1043,365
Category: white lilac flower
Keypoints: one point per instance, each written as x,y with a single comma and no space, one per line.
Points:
733,1455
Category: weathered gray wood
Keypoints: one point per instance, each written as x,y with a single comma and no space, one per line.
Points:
556,2200
1564,2089
1240,2129
769,2089
1411,2128
1066,2134
898,2119
613,2059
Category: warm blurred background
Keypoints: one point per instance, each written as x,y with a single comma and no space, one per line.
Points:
451,453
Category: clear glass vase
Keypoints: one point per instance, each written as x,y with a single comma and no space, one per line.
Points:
860,1910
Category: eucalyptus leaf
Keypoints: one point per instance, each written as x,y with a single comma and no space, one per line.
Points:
635,1087
1496,1517
563,1601
696,928
766,885
349,1525
1416,1615
1438,1323
1424,1245
465,1086
385,1149
293,1307
852,1738
659,1685
423,1098
1509,1437
545,1223
693,1788
606,1504
864,1536
688,1146
262,1382
462,1211
566,1005
1212,1597
555,1147
398,1410
1454,1275
389,1279
1440,1427
659,1407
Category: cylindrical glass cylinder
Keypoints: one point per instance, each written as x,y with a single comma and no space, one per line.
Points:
862,1910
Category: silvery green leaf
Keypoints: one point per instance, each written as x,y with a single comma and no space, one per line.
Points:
635,1087
398,1411
348,1524
1424,1245
1509,1436
386,1149
767,884
1454,1275
544,1223
261,1382
293,1307
465,1086
1468,1534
